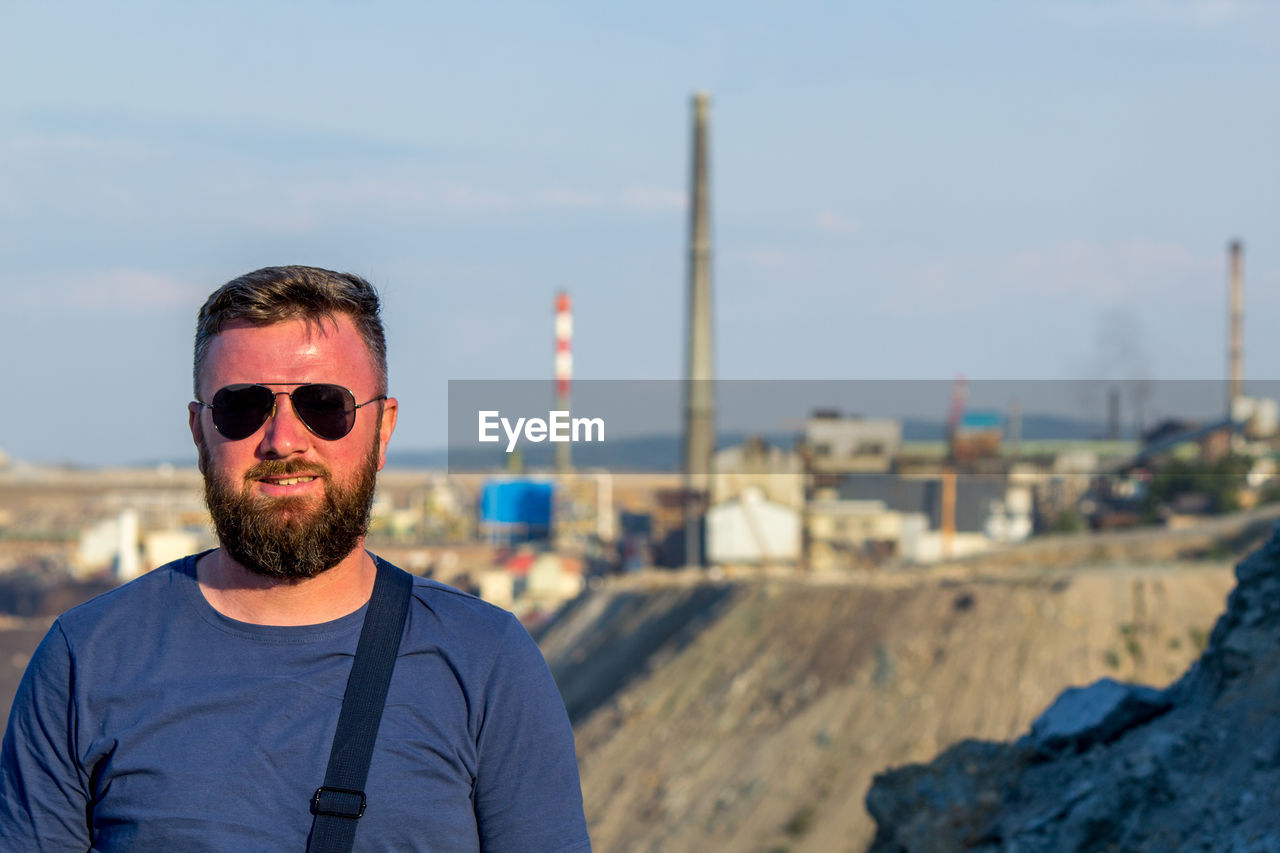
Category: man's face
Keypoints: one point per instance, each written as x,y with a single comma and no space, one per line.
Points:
287,503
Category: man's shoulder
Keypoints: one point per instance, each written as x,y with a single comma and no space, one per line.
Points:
451,612
148,593
433,592
448,602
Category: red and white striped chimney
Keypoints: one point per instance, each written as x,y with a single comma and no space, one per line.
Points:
564,369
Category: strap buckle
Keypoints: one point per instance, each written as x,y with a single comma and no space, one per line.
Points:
338,802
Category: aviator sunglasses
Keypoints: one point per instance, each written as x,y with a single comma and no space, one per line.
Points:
327,410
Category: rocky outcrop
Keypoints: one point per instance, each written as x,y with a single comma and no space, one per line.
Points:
1084,716
1116,767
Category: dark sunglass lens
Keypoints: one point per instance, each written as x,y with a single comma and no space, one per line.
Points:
328,410
239,410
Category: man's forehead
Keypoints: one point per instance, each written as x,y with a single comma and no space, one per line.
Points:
330,341
323,325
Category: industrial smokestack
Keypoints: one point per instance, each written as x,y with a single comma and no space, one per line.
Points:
1235,347
564,371
699,420
1113,414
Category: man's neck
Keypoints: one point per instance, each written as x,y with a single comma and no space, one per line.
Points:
240,594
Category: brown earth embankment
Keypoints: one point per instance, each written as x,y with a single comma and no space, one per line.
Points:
752,714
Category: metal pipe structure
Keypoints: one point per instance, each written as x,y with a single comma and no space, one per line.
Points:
564,372
699,429
1235,345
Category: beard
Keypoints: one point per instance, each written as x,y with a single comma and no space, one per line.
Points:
290,538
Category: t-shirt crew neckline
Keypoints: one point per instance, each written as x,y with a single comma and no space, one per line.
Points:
185,576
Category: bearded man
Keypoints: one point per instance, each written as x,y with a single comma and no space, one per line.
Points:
195,707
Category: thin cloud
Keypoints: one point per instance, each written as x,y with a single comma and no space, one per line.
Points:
477,199
643,199
1208,13
834,225
107,174
120,289
566,197
86,174
300,207
1073,270
638,199
1137,267
763,257
50,144
1205,14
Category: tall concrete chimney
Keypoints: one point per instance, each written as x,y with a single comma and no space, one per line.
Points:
1113,414
1235,346
699,414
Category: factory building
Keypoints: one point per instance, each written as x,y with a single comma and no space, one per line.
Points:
835,445
776,473
751,529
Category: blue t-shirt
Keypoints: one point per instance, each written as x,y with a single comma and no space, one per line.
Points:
147,720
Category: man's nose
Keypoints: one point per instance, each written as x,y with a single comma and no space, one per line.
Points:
285,432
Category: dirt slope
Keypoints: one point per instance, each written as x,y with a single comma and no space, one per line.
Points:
752,715
1193,767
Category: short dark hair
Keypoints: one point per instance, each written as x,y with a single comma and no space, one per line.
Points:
275,294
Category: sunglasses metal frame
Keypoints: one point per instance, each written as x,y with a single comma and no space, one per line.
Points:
275,396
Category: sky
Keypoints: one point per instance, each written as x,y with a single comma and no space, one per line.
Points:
920,190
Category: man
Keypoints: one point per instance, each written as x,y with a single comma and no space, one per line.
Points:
194,708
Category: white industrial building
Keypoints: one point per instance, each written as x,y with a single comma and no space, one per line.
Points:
753,529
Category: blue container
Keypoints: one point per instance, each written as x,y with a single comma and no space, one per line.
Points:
516,510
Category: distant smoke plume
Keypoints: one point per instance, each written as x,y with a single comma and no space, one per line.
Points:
1119,356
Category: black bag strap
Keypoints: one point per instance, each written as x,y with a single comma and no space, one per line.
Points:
339,803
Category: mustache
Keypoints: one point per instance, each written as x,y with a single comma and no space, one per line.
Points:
285,468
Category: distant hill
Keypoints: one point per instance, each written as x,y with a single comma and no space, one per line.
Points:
642,453
1033,428
665,452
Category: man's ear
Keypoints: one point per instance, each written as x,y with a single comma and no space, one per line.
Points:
197,428
386,426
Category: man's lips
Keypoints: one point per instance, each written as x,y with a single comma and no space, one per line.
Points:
292,480
294,483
